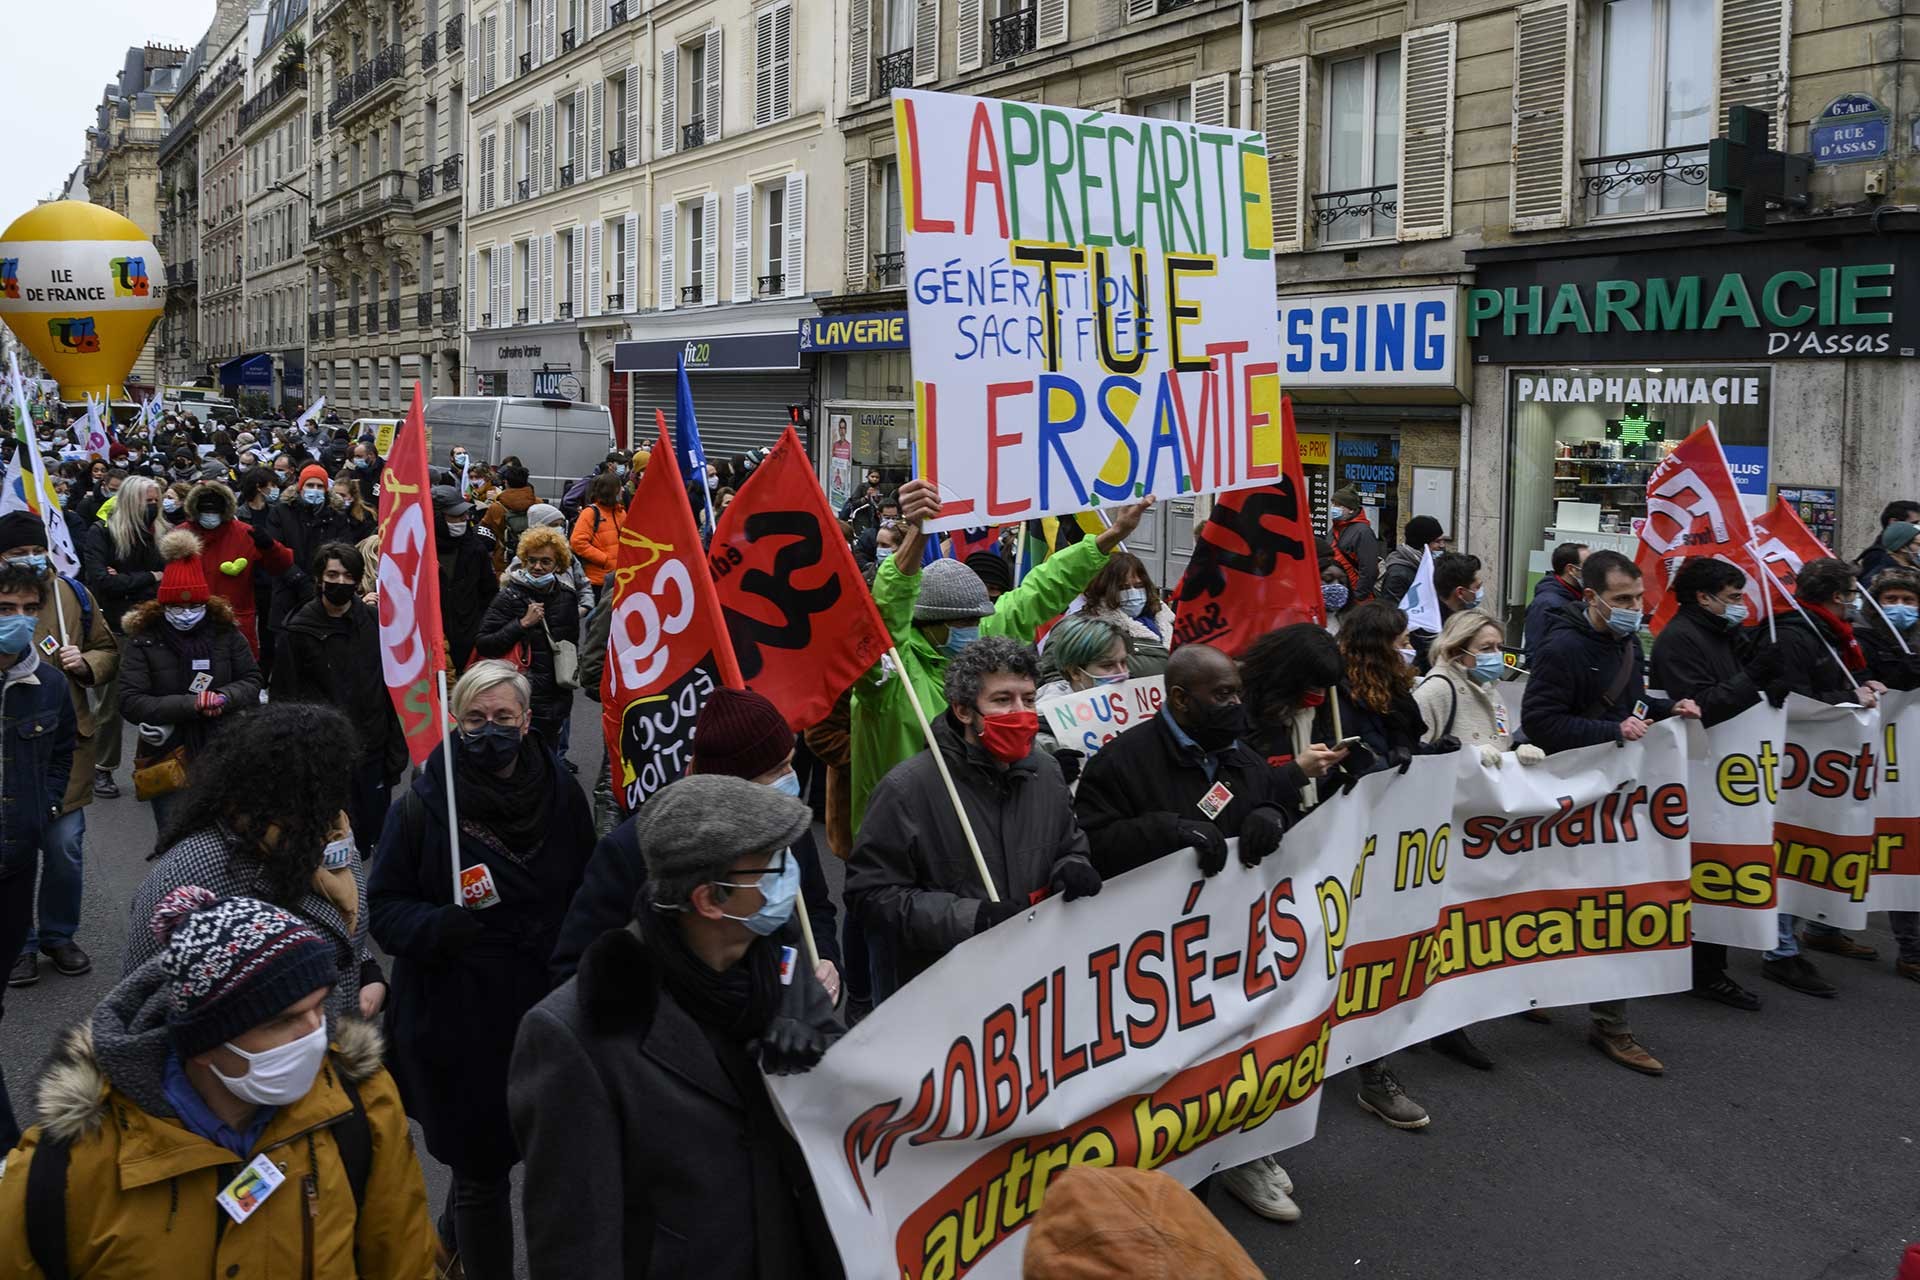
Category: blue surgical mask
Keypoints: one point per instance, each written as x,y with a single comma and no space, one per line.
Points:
787,784
1489,667
1120,677
1133,600
882,554
209,519
313,497
1336,514
959,637
1902,616
1736,615
777,894
1335,595
1479,598
36,562
185,617
16,633
1624,622
537,580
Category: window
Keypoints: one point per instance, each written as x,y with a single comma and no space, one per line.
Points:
567,126
564,280
1654,101
528,285
616,234
776,238
693,220
1174,106
899,28
1360,193
693,78
891,239
617,116
430,141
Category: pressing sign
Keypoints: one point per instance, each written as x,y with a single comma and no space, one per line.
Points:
249,1190
1216,799
476,887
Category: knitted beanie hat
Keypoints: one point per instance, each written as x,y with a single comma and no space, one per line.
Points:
183,581
739,732
1349,498
22,529
993,570
232,964
314,471
693,830
951,592
1897,535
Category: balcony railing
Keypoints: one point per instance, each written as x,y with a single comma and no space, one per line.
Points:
690,295
1655,181
429,49
520,315
384,194
617,13
616,159
353,322
566,176
693,134
1168,6
183,275
373,81
424,180
393,312
616,302
888,267
373,317
456,31
326,322
450,173
771,286
526,63
486,319
893,71
566,309
567,39
1362,213
449,305
423,309
521,189
1011,35
284,82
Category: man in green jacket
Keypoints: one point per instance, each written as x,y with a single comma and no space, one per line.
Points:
934,613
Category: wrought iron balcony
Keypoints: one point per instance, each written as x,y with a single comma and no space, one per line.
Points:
616,159
693,134
373,317
616,13
567,39
1350,215
520,189
616,302
429,49
450,173
566,176
771,286
1645,181
183,275
566,309
520,315
893,71
456,31
1011,35
393,312
375,81
286,81
526,63
690,295
449,305
889,267
423,309
424,180
486,319
327,322
383,195
353,322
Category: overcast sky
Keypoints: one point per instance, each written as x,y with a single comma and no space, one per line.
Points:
61,54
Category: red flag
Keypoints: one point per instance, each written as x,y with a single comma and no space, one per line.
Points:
1693,509
1254,567
1782,543
804,626
668,648
413,649
966,542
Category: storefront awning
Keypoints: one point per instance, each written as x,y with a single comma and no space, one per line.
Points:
255,370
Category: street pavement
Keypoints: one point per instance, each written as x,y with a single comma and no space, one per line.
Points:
1779,1146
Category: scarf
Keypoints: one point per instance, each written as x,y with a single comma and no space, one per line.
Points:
511,810
187,645
737,1003
1843,635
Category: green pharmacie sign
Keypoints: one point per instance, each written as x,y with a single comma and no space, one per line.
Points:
1774,300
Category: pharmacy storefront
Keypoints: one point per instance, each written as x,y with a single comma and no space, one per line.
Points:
1594,359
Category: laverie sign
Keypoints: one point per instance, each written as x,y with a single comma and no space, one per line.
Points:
1773,299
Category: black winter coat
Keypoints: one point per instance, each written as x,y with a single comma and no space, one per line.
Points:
501,634
468,583
452,1011
911,877
1399,728
1887,662
156,680
336,662
1566,703
642,1143
1802,662
1698,656
131,582
303,530
1142,783
1551,597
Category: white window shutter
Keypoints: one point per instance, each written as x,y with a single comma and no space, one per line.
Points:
489,152
506,163
473,289
551,181
763,68
1426,133
663,279
550,29
579,140
859,51
1753,40
500,269
1211,100
710,112
710,250
493,50
742,244
577,291
669,118
596,131
926,41
475,39
782,63
632,141
794,209
546,278
511,65
630,275
1050,24
596,282
1141,10
596,17
1284,122
856,264
969,35
1543,48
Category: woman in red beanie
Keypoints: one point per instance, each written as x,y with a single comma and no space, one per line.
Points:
231,550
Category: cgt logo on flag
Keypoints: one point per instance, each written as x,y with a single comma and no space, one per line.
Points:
129,277
10,278
74,334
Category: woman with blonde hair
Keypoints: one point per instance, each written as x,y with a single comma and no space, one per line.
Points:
345,496
120,564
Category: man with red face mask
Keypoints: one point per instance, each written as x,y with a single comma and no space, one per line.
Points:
912,879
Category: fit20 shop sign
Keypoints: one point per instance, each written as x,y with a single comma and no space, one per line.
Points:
1771,300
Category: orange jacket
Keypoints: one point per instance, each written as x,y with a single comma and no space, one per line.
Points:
596,541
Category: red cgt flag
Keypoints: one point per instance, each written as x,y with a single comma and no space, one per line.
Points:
667,649
1782,543
413,649
1693,509
1254,567
804,626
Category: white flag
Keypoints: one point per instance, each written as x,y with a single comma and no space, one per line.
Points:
27,487
1420,604
313,411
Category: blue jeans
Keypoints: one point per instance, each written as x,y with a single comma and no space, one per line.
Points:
1789,945
1906,932
59,881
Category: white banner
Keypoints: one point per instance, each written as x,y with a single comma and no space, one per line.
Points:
1091,301
1731,786
1845,826
1088,720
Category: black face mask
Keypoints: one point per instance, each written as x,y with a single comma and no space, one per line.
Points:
493,748
336,593
1216,726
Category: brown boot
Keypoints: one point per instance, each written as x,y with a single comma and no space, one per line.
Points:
1626,1051
1838,944
1908,969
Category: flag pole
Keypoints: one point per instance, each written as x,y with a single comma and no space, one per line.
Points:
1889,621
940,763
1811,626
806,928
446,757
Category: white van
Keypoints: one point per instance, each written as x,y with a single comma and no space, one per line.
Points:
557,440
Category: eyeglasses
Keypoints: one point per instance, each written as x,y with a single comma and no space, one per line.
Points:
505,719
779,867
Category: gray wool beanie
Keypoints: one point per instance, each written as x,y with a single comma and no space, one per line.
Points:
691,832
951,592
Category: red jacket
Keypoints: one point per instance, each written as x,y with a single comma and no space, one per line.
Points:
229,556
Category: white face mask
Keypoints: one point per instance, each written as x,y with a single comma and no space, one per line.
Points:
185,617
281,1075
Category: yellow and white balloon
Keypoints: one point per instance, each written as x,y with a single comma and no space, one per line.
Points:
81,287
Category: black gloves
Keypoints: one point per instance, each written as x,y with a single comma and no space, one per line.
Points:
1445,744
1359,763
1260,834
789,1046
993,913
1400,758
455,929
261,538
1207,840
1069,761
1074,878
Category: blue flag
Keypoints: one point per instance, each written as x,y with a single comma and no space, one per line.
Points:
686,436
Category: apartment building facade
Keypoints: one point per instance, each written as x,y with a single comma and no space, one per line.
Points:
1500,277
177,354
270,374
387,130
642,190
223,225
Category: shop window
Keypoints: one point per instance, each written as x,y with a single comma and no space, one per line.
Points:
1582,442
1359,197
1655,111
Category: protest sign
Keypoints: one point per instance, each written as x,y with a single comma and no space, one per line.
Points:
1832,854
1896,883
1088,720
1187,1024
1731,790
1091,300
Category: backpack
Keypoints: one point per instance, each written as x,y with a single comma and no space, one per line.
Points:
81,594
47,1183
516,525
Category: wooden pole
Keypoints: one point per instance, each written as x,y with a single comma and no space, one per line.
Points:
940,763
806,927
453,816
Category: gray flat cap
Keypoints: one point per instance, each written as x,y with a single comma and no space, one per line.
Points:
692,831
